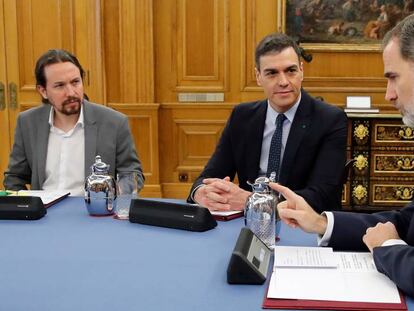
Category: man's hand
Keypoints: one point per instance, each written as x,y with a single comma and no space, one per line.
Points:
376,236
221,195
296,212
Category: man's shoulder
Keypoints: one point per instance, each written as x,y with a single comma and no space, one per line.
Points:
322,106
101,111
35,112
251,107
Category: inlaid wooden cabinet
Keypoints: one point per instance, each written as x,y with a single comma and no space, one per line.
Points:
382,174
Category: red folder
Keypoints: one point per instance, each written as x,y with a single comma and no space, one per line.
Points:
229,217
299,304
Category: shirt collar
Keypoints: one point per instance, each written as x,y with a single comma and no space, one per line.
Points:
289,114
80,121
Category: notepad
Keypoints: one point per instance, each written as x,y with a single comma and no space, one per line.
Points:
48,197
348,282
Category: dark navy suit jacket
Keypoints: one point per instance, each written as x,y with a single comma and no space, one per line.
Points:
397,262
314,157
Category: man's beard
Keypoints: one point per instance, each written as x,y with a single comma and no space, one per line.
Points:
407,112
67,110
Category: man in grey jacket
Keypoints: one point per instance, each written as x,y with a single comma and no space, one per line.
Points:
55,144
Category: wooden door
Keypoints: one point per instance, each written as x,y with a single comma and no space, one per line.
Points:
32,27
4,117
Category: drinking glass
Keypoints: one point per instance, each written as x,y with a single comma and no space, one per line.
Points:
127,189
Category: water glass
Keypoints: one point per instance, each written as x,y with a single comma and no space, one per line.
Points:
127,189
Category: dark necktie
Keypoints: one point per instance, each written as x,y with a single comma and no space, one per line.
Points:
273,163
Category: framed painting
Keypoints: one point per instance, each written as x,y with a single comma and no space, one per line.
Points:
341,24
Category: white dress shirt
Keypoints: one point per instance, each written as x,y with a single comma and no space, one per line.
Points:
270,127
65,160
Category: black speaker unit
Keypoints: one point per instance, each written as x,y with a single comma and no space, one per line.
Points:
172,215
249,261
21,208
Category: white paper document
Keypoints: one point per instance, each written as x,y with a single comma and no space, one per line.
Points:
355,279
47,197
305,257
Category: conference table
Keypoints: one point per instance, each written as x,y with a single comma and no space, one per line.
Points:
69,260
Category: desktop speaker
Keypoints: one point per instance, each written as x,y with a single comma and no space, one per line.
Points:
249,261
21,207
171,215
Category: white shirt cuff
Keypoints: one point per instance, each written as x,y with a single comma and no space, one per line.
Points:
391,242
194,191
324,240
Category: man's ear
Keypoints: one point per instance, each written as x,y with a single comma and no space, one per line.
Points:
42,91
257,74
301,69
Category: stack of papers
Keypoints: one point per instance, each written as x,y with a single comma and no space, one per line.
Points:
316,273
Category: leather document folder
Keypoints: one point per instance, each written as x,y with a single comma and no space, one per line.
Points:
300,304
226,216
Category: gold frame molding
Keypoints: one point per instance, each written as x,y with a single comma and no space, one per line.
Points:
323,47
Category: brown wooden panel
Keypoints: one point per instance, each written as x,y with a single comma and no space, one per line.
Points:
201,45
129,58
188,136
143,122
197,140
259,18
34,27
4,115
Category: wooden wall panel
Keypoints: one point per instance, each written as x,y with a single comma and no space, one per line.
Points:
129,52
188,136
71,25
129,67
201,45
258,18
4,115
143,122
337,74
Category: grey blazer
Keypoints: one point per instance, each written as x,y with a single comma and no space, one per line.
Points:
106,134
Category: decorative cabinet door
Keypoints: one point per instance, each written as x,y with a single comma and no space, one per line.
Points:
28,28
382,175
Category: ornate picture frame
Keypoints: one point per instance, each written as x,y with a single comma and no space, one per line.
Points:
340,25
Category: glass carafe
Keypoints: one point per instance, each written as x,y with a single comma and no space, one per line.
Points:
260,211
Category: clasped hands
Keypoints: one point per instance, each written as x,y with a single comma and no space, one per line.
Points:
296,212
221,195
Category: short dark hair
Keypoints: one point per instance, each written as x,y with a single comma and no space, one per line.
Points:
275,42
404,33
52,57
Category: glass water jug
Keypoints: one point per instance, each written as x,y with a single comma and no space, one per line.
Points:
260,213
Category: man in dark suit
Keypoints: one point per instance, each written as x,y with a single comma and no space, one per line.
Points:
388,235
313,138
